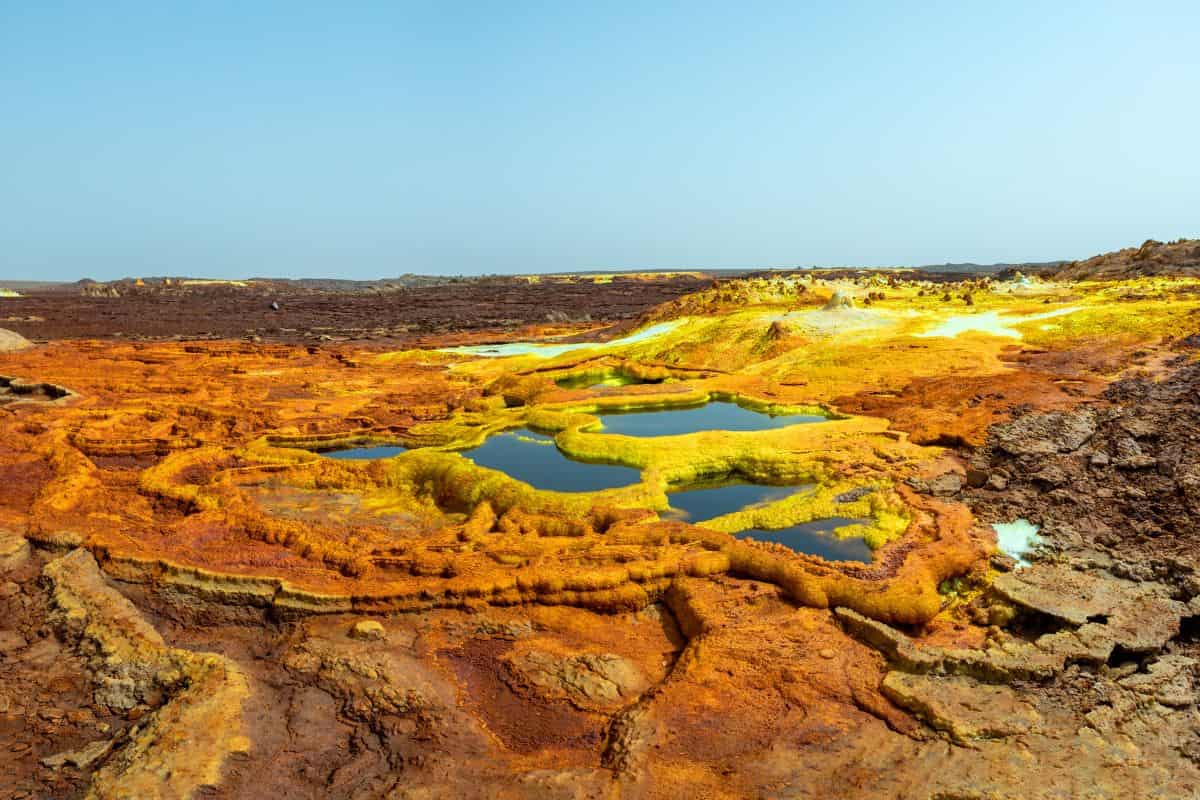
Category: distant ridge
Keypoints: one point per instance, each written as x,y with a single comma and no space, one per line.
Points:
1027,266
1180,257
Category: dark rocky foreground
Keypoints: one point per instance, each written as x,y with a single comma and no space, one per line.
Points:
1116,482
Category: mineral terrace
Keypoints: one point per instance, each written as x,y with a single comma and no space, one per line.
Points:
202,597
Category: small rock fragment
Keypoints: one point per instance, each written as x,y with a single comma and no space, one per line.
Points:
1137,462
977,477
14,550
80,759
367,630
1051,476
947,484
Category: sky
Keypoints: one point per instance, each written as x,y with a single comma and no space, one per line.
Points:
371,139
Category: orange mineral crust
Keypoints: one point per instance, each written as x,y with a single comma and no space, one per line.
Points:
741,546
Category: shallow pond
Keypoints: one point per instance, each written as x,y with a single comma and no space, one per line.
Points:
585,380
527,456
366,453
707,501
816,538
536,460
712,416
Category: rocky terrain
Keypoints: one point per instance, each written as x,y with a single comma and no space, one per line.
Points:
197,603
312,311
1180,257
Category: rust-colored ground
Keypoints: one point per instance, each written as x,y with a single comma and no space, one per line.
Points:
534,644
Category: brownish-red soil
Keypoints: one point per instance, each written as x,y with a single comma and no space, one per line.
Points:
304,315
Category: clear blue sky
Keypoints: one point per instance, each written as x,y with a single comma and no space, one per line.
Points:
364,139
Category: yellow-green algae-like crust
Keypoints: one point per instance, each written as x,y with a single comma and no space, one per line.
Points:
182,745
605,550
794,455
529,545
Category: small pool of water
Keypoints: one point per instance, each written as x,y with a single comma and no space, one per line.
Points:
585,380
816,538
366,453
712,416
536,460
708,501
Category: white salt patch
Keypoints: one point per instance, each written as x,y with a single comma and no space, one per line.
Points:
843,320
991,322
1017,538
543,350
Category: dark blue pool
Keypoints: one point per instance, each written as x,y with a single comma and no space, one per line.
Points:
713,416
706,501
816,538
366,453
534,458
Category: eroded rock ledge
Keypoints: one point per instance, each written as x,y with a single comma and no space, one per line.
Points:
183,744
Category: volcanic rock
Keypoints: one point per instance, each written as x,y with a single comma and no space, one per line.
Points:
1139,617
977,477
1181,257
1040,434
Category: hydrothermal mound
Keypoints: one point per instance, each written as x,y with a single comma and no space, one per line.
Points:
200,600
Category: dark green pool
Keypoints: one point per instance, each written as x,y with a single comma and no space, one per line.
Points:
584,380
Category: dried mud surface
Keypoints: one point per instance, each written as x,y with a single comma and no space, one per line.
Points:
197,603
